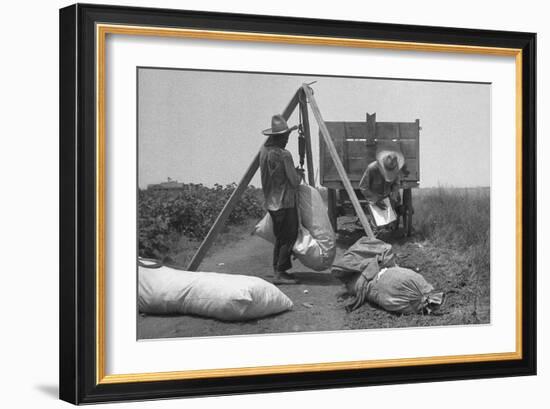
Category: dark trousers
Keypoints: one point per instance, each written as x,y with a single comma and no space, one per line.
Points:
285,229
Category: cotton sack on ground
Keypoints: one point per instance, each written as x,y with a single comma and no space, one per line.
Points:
227,297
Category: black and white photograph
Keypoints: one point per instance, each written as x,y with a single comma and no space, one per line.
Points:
293,202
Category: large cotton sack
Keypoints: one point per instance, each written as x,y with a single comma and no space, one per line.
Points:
311,252
227,297
402,290
315,245
314,218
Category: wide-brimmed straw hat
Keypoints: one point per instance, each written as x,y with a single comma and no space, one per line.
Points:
279,126
390,163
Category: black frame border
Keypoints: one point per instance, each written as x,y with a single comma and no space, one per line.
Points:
77,256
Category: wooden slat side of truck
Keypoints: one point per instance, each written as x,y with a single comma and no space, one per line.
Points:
357,144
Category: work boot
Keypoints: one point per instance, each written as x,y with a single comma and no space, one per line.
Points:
282,277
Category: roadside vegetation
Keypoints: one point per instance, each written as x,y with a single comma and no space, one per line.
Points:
171,220
457,218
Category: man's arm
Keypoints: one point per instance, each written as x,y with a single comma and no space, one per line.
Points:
396,184
291,173
364,186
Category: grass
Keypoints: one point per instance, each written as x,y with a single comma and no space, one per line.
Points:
459,219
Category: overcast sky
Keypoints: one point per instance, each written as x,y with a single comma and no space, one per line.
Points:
205,127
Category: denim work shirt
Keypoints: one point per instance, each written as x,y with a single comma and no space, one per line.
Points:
279,178
373,185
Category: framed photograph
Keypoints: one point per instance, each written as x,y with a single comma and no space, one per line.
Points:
257,203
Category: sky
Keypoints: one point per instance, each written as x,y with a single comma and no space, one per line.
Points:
205,127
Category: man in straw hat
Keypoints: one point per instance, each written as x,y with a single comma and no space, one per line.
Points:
381,179
280,180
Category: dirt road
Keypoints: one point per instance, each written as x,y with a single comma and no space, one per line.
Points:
315,296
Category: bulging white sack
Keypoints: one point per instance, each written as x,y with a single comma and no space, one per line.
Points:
310,251
314,217
315,245
227,297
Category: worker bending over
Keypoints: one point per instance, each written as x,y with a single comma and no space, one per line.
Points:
381,181
280,180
